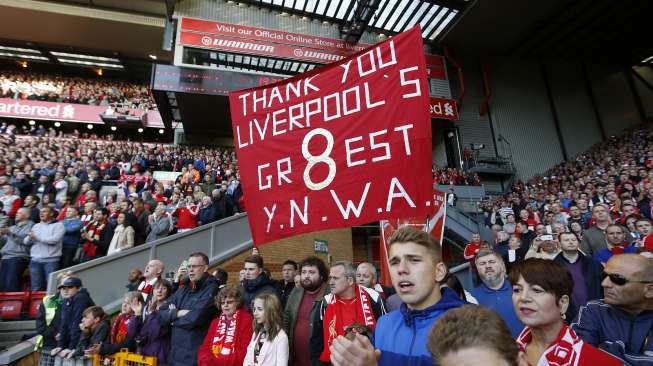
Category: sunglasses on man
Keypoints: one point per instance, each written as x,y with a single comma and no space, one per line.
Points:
620,280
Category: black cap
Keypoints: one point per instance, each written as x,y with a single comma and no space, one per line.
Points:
71,282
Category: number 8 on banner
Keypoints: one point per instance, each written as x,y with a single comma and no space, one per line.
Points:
324,157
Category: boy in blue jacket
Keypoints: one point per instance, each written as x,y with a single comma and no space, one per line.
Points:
75,301
401,336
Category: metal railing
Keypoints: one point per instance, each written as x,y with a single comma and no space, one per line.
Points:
105,277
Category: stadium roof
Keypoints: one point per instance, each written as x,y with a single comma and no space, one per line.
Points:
382,16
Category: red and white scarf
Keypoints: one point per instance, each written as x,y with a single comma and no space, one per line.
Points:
333,326
120,328
224,342
564,351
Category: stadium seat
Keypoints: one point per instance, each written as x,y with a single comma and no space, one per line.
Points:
12,304
35,300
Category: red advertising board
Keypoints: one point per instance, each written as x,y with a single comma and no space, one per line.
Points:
259,48
269,42
341,145
34,109
268,35
435,67
443,108
433,225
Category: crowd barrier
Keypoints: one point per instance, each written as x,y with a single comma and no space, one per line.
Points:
122,358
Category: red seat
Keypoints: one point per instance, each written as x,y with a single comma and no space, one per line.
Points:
35,300
12,304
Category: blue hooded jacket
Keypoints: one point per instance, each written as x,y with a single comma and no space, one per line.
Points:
402,334
606,327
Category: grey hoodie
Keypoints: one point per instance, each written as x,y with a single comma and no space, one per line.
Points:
15,247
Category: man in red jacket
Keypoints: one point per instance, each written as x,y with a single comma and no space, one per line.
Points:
186,213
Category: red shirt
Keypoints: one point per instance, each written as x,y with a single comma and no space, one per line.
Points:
302,333
648,242
470,251
187,220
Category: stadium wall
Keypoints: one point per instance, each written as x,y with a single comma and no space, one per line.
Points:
521,112
545,108
578,123
615,99
296,248
645,89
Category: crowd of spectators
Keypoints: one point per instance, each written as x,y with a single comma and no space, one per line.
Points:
455,177
319,315
67,200
612,183
29,85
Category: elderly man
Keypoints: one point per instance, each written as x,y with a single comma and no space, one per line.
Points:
15,254
495,291
189,311
153,271
46,241
622,322
160,224
11,202
366,276
346,305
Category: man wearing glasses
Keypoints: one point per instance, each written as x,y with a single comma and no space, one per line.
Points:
622,322
190,310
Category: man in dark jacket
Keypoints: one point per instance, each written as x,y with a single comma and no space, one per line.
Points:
302,309
141,215
207,212
585,270
257,281
189,311
223,205
622,322
75,301
287,282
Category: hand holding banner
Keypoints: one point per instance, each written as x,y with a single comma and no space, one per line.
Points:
342,145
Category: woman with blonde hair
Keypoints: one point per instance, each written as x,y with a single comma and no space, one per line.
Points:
269,345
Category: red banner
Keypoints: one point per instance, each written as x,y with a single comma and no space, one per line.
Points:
434,225
443,108
33,109
342,145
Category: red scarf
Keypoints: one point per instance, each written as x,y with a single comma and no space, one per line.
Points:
120,328
333,326
94,231
564,351
225,339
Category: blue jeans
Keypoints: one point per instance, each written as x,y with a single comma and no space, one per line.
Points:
40,272
11,273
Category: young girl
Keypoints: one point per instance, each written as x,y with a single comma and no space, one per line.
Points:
269,345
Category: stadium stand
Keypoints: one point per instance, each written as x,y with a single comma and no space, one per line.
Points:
140,253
